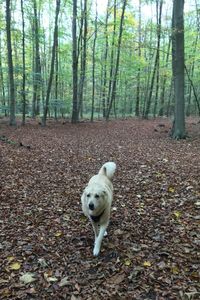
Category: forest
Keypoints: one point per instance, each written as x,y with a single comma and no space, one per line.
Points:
92,60
82,83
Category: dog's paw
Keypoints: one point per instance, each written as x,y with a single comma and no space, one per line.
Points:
105,233
96,251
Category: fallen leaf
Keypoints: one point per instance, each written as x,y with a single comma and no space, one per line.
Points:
64,281
171,189
15,266
127,262
58,233
147,264
116,279
177,214
27,278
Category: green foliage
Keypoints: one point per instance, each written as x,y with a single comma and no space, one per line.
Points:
131,65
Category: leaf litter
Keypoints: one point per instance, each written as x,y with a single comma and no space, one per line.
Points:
152,248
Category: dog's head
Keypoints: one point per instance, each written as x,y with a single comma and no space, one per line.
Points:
95,198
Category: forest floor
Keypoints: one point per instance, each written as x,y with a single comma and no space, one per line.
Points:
152,248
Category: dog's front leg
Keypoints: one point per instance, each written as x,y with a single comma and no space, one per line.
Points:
95,228
98,240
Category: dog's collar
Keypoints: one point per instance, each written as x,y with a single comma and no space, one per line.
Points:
97,218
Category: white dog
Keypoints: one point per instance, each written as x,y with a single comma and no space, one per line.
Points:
96,202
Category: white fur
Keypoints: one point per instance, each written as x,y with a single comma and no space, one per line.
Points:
97,199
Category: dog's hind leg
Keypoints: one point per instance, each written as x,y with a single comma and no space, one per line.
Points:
98,240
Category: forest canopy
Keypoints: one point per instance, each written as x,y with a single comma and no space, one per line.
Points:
122,58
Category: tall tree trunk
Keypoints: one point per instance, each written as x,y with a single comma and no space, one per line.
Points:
37,72
55,39
93,65
162,96
114,83
74,64
105,61
156,64
194,90
2,81
178,128
23,68
83,60
137,105
10,65
56,82
111,59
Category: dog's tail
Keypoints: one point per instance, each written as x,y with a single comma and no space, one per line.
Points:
108,169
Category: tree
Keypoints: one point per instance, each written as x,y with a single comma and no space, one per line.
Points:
178,129
23,92
37,72
74,65
137,105
55,44
93,65
157,58
10,65
114,82
83,58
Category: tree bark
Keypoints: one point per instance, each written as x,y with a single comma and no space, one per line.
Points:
114,83
10,65
156,64
23,68
55,39
178,129
93,65
137,105
83,59
74,64
37,72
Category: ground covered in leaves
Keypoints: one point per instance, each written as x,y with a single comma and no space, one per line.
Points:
152,248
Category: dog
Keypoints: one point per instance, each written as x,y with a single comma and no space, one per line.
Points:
96,202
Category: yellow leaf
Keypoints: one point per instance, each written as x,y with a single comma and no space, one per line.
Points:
175,270
58,233
147,264
15,266
127,262
177,214
171,189
10,258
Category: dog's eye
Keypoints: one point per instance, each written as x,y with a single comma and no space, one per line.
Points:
96,196
88,195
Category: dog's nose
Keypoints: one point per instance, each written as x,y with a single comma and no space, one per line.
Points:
91,206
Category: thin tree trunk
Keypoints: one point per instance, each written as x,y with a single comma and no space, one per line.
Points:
156,64
10,65
74,64
111,59
194,90
37,72
137,106
105,62
2,81
56,82
162,96
55,39
23,68
83,60
93,65
113,91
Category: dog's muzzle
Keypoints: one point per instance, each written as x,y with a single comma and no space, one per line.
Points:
91,206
